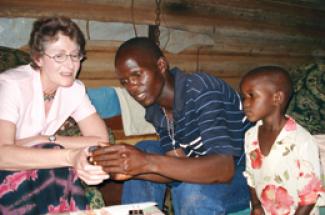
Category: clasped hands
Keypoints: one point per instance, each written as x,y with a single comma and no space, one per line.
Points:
120,161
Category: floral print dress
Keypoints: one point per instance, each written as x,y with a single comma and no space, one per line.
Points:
289,175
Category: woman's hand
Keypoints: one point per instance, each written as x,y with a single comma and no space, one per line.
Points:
90,174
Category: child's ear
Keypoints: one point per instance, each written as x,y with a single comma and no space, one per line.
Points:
278,97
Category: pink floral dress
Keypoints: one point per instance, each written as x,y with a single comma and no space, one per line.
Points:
289,175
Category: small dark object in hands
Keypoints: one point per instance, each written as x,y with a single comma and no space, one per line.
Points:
136,212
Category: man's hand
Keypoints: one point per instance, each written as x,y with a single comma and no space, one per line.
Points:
120,177
122,161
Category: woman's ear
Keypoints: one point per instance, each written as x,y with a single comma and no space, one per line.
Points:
162,65
38,61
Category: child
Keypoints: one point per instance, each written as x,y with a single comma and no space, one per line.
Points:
282,158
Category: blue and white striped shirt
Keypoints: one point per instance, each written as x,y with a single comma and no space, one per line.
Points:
208,118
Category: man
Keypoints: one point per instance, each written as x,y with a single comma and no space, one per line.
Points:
200,123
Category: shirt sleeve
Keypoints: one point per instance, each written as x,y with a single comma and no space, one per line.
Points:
309,182
9,105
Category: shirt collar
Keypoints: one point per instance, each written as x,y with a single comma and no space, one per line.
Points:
154,112
180,79
289,127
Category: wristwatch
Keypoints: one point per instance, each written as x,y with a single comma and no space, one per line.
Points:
52,138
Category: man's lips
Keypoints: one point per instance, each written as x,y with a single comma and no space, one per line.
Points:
140,96
247,112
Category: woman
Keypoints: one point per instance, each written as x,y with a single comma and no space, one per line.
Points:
39,169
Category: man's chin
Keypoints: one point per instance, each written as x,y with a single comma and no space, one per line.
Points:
145,103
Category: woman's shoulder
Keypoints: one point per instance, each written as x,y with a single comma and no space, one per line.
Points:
78,84
20,73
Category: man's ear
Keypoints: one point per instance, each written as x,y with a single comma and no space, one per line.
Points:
162,65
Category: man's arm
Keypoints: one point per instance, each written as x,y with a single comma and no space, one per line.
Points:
128,160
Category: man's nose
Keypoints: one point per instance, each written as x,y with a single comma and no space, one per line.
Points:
245,103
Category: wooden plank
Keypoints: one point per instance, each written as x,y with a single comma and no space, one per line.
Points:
246,16
223,62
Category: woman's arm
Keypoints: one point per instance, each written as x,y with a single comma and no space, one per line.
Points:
15,157
92,128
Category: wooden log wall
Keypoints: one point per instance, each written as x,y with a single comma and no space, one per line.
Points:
246,33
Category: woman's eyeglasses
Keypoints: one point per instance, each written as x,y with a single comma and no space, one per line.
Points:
60,58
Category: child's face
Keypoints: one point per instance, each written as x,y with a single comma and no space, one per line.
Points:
257,95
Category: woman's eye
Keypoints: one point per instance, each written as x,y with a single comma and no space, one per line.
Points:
60,57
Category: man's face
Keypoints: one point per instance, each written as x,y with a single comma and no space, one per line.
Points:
141,77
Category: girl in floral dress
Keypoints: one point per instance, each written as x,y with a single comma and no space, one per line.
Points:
282,158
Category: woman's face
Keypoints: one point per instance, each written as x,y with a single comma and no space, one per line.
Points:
59,63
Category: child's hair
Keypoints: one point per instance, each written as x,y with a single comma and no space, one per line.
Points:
277,76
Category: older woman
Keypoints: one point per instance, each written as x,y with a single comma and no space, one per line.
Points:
39,170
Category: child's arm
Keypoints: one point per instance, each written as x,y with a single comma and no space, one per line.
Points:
304,210
257,208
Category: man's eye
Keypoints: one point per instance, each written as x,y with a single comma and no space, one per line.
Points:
123,82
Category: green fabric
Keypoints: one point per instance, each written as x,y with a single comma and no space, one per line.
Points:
307,106
10,58
94,197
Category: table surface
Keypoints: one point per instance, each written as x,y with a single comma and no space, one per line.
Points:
148,208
